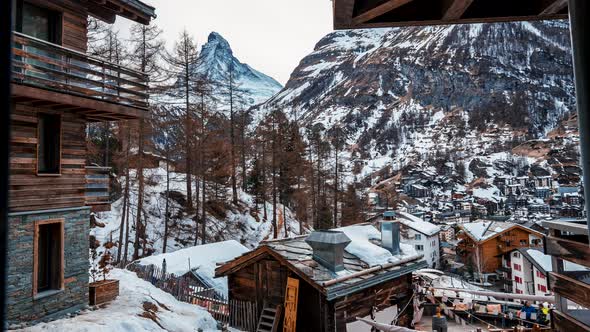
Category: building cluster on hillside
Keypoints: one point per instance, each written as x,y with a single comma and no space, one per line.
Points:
440,199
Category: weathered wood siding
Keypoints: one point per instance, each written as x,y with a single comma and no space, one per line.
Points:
74,21
28,191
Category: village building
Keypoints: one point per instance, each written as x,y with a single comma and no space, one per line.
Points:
321,278
530,267
483,243
56,90
424,236
447,233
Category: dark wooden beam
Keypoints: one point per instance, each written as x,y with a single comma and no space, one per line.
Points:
378,11
342,13
67,99
456,9
554,7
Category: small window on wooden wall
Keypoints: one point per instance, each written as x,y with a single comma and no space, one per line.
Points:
38,22
49,144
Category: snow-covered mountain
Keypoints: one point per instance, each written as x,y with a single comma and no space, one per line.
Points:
405,94
216,59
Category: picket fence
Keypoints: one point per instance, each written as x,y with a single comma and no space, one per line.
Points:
242,315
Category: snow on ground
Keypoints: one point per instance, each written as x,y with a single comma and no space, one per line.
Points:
140,307
201,259
368,252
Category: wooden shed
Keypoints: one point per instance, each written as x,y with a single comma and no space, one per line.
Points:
327,297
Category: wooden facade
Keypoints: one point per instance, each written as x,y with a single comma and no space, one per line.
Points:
56,89
324,303
490,250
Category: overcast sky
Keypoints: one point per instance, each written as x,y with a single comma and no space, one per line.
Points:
272,36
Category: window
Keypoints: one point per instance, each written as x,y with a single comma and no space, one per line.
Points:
48,256
540,275
49,144
419,247
523,242
418,237
38,22
517,267
517,255
542,288
518,279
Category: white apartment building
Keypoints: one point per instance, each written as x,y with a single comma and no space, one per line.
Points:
424,236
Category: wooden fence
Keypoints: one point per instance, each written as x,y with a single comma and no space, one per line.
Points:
242,315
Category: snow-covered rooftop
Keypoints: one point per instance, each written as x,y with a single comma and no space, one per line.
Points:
418,224
201,259
485,229
369,252
545,261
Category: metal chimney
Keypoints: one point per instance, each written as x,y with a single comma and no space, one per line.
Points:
328,248
390,232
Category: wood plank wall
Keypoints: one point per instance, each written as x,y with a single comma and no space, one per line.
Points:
74,21
28,191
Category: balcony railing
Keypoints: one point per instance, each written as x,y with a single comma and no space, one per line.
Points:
49,66
569,242
98,194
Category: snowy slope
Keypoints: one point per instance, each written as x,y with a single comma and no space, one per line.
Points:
243,223
139,307
404,95
216,59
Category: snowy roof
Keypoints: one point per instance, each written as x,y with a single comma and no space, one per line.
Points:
543,262
485,229
418,224
202,260
361,254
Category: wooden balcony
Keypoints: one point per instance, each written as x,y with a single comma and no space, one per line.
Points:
569,241
98,195
49,75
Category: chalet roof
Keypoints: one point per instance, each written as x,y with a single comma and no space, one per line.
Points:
108,10
484,230
296,255
350,14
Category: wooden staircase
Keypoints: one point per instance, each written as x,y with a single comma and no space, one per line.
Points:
269,319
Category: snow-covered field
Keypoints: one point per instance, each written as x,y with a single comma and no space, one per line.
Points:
140,307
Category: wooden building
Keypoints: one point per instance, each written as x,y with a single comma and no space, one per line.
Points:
56,90
482,244
334,285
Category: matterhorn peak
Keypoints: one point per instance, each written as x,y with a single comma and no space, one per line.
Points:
217,39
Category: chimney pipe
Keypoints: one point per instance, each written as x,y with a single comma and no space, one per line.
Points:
328,248
390,228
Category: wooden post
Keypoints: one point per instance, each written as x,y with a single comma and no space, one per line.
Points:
291,301
5,65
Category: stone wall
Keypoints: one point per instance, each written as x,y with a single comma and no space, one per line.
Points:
22,307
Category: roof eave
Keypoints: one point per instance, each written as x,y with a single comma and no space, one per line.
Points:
337,292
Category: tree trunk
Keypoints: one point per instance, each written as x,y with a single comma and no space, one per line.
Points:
125,197
167,209
234,187
274,184
139,229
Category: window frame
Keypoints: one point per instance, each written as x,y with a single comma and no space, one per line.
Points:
39,114
60,281
56,19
